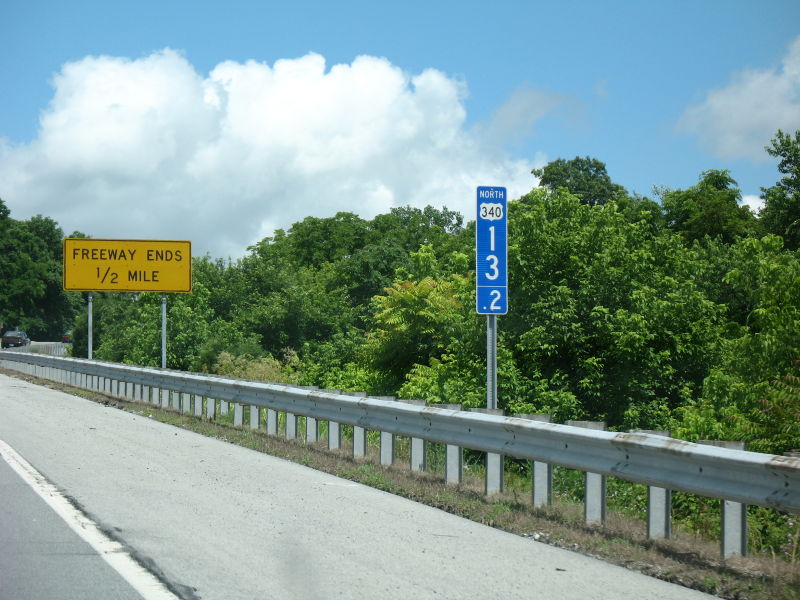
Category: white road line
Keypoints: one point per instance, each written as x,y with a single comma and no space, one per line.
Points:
112,552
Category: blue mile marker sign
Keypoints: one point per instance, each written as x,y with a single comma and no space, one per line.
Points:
491,252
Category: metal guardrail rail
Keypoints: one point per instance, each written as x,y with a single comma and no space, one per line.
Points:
734,475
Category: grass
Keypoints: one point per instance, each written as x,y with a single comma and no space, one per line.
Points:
687,559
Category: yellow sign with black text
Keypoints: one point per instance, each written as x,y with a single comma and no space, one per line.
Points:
92,265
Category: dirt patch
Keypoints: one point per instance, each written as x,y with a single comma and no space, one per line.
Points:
685,559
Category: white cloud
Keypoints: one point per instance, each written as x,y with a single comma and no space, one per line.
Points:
756,203
149,148
737,121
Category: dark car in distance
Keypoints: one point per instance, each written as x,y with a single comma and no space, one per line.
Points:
12,339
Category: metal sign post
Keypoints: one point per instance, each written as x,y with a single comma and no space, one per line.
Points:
163,331
491,274
491,361
89,327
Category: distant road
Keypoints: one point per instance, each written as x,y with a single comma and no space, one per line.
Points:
51,348
220,522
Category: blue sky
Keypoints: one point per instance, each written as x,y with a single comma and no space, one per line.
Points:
176,134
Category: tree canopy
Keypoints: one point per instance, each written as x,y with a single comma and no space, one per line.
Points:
585,177
781,212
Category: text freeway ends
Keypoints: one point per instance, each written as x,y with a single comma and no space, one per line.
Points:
100,265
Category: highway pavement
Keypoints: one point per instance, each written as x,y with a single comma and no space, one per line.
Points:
220,522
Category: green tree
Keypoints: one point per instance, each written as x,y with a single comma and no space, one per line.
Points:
605,311
781,212
751,394
709,209
314,241
30,267
585,177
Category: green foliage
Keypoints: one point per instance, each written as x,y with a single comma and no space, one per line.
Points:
585,177
607,311
752,394
264,368
31,297
709,209
781,212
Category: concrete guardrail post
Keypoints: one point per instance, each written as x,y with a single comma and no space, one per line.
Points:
238,414
359,434
211,408
418,454
453,455
541,472
198,405
388,441
272,421
495,470
659,502
255,417
312,430
291,426
594,506
733,538
334,429
312,425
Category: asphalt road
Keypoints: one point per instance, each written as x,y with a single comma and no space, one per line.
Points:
41,557
222,522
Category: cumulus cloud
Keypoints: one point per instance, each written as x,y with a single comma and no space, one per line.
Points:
149,148
737,121
514,119
753,202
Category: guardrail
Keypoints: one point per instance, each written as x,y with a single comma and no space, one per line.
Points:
663,463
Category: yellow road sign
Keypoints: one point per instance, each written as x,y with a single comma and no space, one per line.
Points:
92,265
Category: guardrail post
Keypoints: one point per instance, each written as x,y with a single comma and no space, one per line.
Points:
223,407
186,402
255,416
733,539
359,442
238,414
419,448
312,428
211,408
291,426
453,455
198,405
272,421
387,440
495,470
541,472
594,506
359,433
387,449
334,435
659,502
334,429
